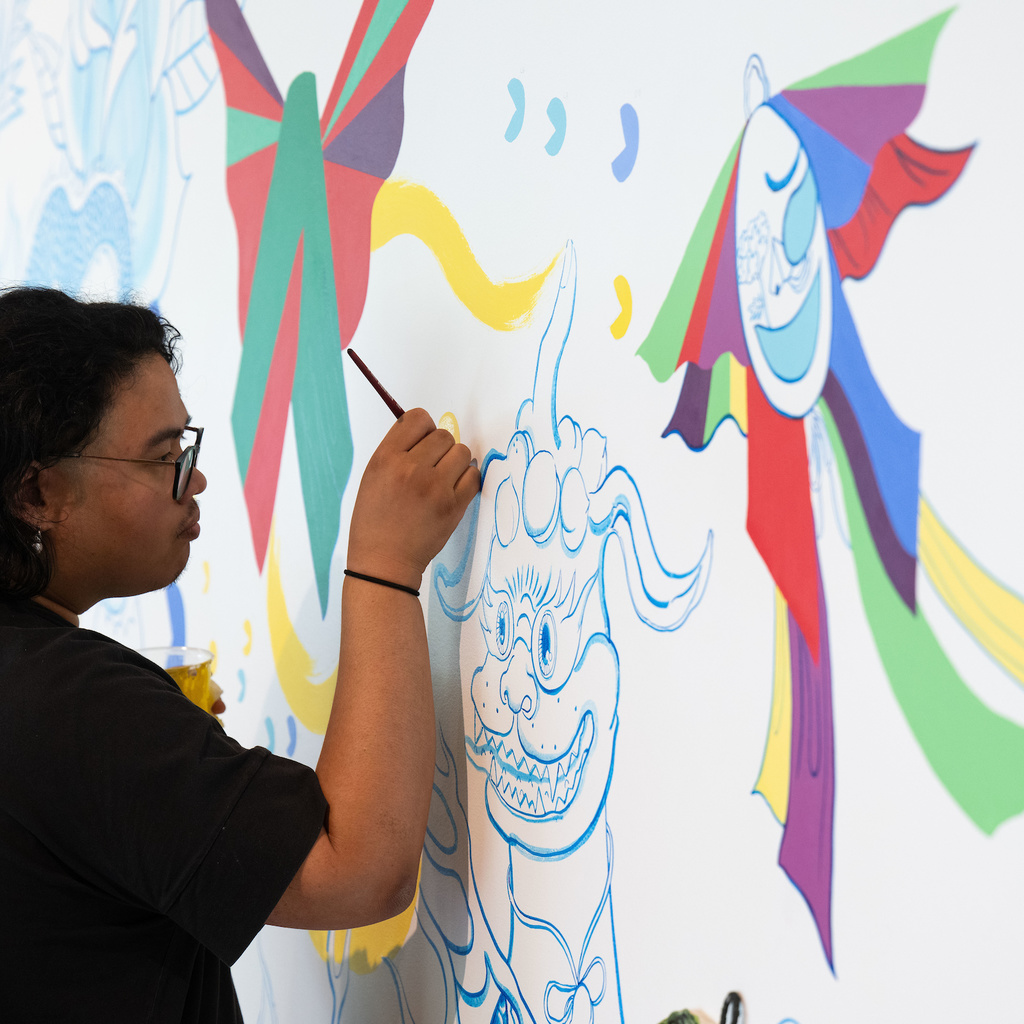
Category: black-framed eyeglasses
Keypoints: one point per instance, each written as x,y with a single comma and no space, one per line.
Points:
183,464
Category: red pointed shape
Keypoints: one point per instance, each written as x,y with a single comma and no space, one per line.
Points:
248,188
780,519
265,461
350,197
904,174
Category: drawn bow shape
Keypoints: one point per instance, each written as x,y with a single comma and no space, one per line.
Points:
757,316
302,189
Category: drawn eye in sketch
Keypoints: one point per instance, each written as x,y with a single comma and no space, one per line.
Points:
783,270
500,629
545,644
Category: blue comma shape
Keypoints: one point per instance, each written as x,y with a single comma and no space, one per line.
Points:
518,94
556,115
622,165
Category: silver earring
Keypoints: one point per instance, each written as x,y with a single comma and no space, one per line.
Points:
37,542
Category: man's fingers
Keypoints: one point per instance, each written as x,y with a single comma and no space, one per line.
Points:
467,487
409,430
434,447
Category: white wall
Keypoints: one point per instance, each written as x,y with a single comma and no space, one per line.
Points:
925,905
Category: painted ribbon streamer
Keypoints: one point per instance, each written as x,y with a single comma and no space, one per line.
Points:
977,754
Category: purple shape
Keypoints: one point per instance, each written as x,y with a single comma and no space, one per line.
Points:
900,565
690,417
225,19
723,330
806,851
370,143
862,117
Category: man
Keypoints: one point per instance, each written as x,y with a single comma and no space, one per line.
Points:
141,848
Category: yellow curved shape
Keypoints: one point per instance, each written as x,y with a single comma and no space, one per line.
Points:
990,612
405,208
296,670
625,297
773,782
247,646
367,946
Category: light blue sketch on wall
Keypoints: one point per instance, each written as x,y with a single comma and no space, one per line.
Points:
514,920
110,80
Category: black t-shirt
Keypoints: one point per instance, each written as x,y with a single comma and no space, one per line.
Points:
141,848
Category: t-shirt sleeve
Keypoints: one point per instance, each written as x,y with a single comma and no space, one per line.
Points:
253,857
144,795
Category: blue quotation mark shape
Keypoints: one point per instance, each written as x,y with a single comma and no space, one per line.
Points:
622,165
518,94
556,115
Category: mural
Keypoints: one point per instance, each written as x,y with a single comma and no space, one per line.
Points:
757,316
303,188
592,853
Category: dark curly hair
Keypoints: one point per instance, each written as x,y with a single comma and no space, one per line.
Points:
61,361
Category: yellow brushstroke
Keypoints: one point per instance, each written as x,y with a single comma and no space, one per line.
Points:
206,577
450,423
993,615
773,782
367,946
247,646
405,208
738,392
625,297
311,701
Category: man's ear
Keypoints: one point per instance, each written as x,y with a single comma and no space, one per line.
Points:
42,496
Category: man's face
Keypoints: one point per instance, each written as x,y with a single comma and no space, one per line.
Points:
117,529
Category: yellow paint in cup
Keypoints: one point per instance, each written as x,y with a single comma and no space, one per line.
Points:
192,669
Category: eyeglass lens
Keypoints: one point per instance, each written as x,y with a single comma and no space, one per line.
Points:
183,471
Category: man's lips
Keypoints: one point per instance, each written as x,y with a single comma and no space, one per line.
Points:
191,528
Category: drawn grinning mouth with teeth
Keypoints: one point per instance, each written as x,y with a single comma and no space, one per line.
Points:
526,785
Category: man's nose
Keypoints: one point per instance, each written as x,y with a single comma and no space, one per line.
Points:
196,485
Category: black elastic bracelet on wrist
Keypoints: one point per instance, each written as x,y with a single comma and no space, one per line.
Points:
383,583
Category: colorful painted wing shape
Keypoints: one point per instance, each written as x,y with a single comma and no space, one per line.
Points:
679,330
867,100
904,174
707,399
254,111
287,308
362,129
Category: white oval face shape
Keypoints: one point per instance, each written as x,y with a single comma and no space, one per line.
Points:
783,273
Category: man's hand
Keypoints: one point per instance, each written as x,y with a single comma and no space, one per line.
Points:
414,491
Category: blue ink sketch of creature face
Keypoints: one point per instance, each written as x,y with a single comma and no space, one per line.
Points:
536,646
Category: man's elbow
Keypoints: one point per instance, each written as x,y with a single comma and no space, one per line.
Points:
398,896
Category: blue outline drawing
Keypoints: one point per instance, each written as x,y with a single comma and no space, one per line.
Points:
529,936
111,98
